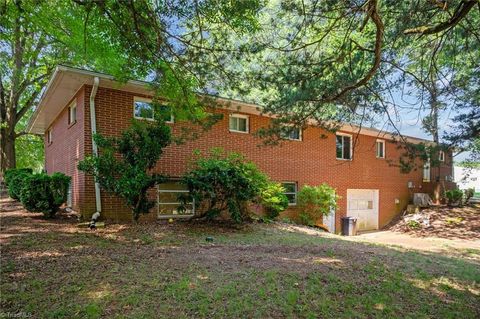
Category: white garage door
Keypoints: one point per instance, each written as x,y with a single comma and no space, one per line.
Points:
363,204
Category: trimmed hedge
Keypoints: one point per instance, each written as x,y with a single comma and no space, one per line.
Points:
14,180
44,193
37,192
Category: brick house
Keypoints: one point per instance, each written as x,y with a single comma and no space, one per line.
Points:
370,187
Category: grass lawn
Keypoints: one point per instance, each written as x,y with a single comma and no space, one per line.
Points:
51,269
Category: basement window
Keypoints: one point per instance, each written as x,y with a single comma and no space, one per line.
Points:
344,146
174,200
290,192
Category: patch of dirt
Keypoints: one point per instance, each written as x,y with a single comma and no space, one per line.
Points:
441,222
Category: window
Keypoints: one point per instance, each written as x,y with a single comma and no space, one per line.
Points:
441,156
171,196
426,171
358,204
290,192
344,146
380,148
166,113
291,133
143,109
238,123
72,113
49,136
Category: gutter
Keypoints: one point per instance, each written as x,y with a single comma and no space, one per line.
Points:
93,127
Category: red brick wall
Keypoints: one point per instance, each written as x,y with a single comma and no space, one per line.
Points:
310,161
67,148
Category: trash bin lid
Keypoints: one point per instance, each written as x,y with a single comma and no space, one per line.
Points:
349,218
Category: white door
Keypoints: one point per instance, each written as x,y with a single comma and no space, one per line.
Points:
329,221
363,204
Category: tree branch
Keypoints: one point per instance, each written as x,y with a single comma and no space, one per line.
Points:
373,14
28,104
460,13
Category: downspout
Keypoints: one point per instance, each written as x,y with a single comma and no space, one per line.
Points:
93,127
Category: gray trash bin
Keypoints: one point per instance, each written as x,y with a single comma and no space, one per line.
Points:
349,226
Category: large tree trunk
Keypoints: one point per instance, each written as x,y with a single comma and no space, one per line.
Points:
7,152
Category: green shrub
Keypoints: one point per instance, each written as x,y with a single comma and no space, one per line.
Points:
306,219
413,224
316,201
224,183
453,196
14,180
287,220
44,193
273,199
125,165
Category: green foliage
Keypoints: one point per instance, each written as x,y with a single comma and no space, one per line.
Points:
287,220
14,178
43,193
29,152
415,155
413,224
273,199
306,219
453,196
314,202
130,176
224,183
454,221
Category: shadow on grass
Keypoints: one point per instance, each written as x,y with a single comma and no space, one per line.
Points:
53,270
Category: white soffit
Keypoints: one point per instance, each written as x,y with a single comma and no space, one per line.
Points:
63,85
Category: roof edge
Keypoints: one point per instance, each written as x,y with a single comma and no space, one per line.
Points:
255,108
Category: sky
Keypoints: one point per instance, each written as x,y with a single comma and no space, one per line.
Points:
410,122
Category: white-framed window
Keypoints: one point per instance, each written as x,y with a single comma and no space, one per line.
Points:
238,123
72,113
380,148
166,113
426,171
344,146
174,200
290,132
290,192
143,109
49,136
441,156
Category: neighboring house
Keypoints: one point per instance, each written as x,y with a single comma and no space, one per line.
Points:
467,177
370,187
